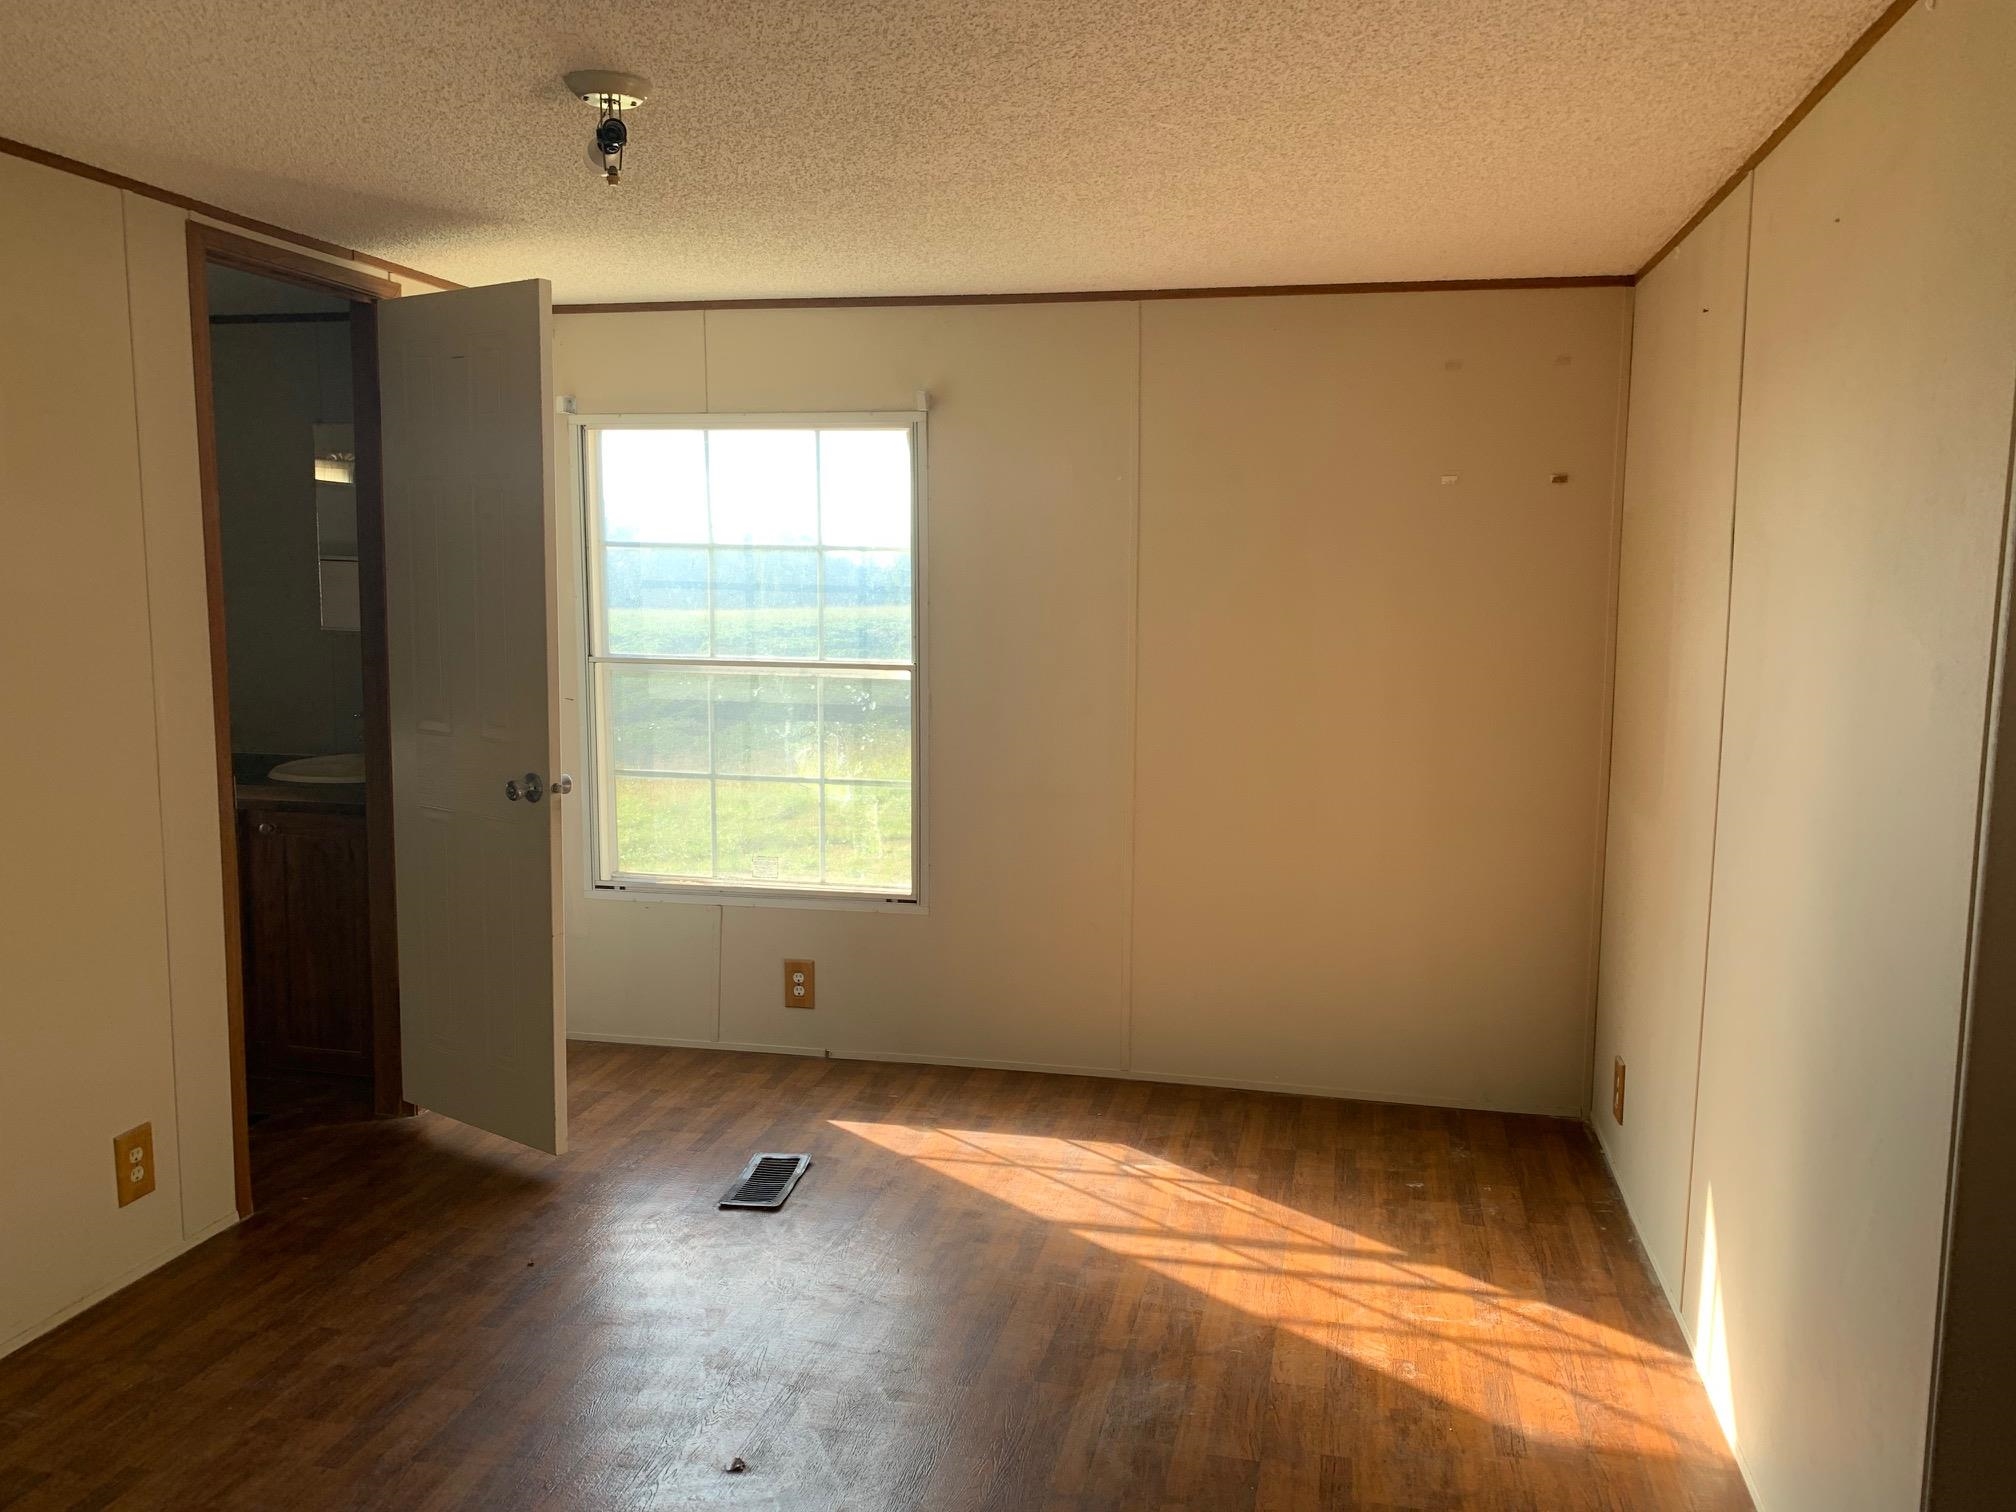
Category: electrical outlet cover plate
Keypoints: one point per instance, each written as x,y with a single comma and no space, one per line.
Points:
133,1155
798,984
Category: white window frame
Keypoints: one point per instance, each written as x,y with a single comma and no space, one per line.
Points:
600,818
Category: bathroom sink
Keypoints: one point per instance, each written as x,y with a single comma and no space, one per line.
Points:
345,768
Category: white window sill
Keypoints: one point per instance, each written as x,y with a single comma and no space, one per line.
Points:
672,892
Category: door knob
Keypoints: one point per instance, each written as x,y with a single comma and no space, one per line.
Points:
562,785
531,787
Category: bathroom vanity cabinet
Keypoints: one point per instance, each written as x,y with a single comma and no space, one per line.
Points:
302,887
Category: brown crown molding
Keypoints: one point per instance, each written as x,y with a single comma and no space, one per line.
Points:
214,212
1857,50
1091,296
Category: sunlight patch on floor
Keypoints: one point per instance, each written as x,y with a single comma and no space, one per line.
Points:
1437,1328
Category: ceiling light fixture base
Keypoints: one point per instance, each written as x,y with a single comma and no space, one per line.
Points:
607,87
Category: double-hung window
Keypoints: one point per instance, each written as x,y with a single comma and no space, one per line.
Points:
753,590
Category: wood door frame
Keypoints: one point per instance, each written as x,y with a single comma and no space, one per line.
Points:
210,246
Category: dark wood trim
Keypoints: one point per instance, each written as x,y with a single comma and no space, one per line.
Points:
1091,296
291,317
207,244
64,164
1857,50
387,1077
229,250
220,705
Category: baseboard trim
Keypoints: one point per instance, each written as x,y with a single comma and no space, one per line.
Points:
1346,1094
1673,1302
1670,1286
672,1043
85,1303
1111,1073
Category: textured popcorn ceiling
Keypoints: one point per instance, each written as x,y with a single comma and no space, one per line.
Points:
937,146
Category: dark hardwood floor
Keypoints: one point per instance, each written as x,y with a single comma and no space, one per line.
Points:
276,1101
992,1291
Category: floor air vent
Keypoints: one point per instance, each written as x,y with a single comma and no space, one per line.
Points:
766,1181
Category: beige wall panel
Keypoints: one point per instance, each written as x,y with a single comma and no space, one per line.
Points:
1023,954
636,968
1872,484
639,969
612,364
1019,956
84,1015
1373,704
1028,629
178,607
1666,742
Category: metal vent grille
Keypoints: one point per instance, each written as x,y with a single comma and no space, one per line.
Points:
766,1181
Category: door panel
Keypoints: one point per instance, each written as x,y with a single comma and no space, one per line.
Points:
469,561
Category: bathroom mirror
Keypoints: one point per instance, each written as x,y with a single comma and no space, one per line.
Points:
336,525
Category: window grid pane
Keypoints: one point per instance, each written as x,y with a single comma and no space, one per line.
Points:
763,570
819,538
856,818
819,733
713,635
713,791
641,793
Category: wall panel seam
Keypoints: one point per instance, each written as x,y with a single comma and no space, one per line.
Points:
1607,742
154,709
1721,738
1133,723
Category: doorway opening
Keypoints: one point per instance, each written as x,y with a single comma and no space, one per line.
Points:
286,365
